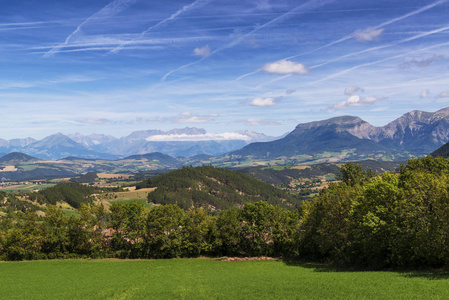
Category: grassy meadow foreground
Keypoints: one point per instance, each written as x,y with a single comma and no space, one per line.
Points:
209,279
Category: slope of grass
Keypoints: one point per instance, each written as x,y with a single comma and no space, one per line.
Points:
209,279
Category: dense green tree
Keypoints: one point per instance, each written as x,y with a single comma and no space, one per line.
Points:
56,241
199,233
24,240
326,225
352,174
164,232
128,224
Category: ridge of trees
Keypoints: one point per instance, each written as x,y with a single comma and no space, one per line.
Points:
213,188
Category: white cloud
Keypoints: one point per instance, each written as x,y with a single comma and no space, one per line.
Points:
355,100
285,67
368,35
226,136
424,93
443,95
263,102
188,117
205,51
351,90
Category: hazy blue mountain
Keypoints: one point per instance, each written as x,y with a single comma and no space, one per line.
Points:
184,142
415,133
93,141
57,146
14,144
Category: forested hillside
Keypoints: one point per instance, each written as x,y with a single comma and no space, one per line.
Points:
212,188
71,192
396,220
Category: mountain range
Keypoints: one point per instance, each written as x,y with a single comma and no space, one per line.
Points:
184,142
416,133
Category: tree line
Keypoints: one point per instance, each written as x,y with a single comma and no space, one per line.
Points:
393,220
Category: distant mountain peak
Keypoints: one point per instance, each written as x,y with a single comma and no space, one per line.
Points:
341,120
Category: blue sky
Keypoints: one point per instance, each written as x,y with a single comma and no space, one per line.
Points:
118,66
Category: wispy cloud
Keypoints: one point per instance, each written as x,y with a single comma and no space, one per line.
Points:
409,39
368,35
30,84
107,11
352,35
187,8
424,62
308,6
102,43
204,51
28,25
351,90
443,95
258,122
391,21
388,58
188,117
424,94
355,100
94,121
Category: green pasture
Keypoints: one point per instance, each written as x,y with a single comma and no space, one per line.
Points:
209,279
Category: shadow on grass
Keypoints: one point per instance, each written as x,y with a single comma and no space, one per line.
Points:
430,274
316,266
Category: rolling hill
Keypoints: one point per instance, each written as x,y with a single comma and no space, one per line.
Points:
15,158
212,188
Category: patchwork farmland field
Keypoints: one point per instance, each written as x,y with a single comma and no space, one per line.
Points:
209,279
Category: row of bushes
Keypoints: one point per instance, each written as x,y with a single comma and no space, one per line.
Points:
130,230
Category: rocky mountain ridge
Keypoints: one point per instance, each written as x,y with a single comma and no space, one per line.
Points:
415,133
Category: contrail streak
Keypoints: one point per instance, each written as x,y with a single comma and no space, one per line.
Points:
349,36
379,61
310,5
184,9
424,34
109,10
415,12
